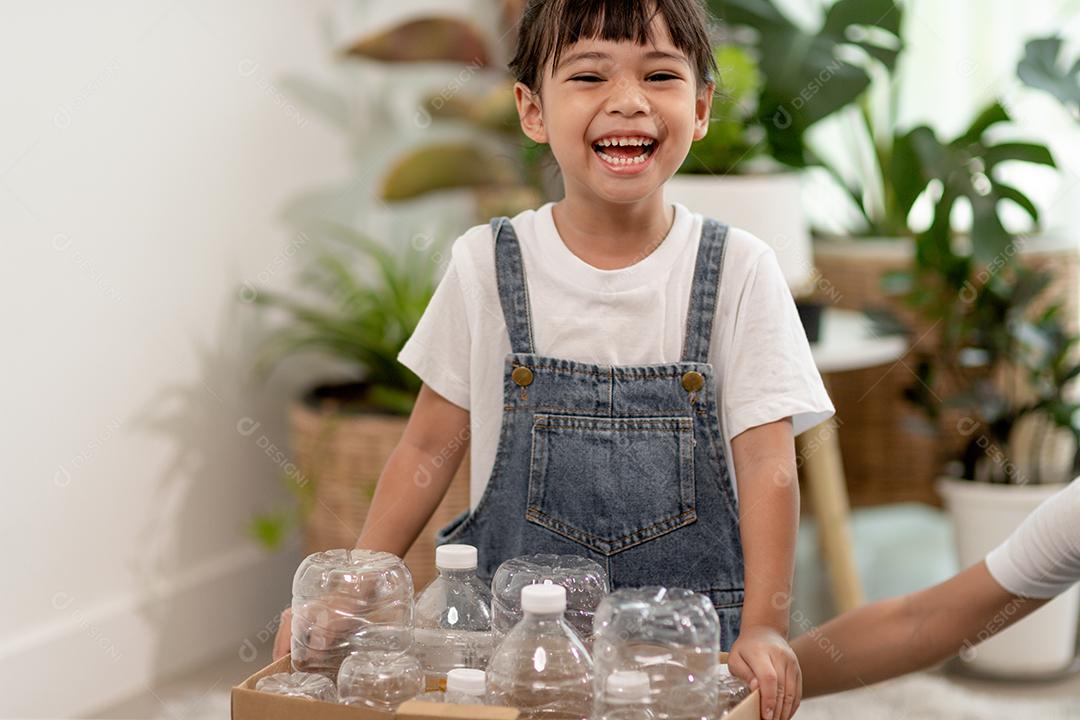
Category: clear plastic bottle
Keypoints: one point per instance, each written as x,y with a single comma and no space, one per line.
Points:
673,635
464,686
453,617
585,580
345,600
626,697
542,667
299,684
730,691
379,680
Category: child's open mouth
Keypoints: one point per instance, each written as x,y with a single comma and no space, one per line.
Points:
625,154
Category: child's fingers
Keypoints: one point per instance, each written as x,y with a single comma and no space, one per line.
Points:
768,683
740,669
283,639
790,691
798,688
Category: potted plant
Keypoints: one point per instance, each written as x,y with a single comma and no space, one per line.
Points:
775,82
1020,418
1013,405
996,385
903,167
361,303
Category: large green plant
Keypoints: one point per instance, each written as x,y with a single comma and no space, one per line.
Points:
809,76
361,303
1002,354
367,302
1004,367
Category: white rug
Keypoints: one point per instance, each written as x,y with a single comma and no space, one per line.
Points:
933,697
215,705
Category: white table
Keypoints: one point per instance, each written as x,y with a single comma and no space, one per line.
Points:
847,341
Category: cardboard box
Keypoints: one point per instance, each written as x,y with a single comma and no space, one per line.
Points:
249,704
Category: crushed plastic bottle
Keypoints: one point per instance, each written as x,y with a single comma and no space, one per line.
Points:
730,691
626,697
586,584
312,686
453,617
672,635
345,600
542,667
379,680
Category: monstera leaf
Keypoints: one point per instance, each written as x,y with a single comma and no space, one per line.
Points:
811,76
1040,69
966,168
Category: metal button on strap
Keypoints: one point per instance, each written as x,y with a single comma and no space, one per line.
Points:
693,381
522,376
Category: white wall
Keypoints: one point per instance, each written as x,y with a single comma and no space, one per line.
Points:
145,150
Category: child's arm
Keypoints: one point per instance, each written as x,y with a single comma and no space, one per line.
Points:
417,474
764,458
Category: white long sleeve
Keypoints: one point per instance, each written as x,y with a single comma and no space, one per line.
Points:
1041,558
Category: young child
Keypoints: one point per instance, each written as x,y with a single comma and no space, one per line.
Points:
619,365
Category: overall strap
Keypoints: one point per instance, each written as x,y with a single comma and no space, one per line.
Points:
704,291
513,290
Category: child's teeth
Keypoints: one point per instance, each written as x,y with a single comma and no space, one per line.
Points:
624,161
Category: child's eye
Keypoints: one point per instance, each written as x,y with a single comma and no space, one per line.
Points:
660,77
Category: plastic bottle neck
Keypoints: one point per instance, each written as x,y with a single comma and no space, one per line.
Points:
546,620
457,574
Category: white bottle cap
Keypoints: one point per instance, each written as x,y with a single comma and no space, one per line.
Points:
543,598
627,687
466,681
455,557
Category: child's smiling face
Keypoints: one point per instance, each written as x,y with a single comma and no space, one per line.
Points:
619,117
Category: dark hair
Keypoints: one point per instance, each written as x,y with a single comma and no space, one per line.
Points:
549,26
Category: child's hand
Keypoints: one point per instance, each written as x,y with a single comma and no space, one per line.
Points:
762,658
283,639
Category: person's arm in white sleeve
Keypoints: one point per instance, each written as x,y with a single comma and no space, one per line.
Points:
893,637
1041,559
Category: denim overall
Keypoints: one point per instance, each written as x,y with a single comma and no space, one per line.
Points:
623,464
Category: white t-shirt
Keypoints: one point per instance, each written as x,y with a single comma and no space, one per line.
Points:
630,316
1041,558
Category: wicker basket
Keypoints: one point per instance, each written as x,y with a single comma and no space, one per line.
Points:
889,451
344,454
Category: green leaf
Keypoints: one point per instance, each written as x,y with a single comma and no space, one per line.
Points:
269,529
1018,152
905,172
1040,69
1008,192
992,115
809,76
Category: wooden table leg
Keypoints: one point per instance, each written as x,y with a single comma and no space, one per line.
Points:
819,452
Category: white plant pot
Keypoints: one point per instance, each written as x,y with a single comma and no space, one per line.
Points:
984,515
769,205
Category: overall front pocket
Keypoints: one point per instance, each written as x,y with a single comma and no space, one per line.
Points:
610,483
